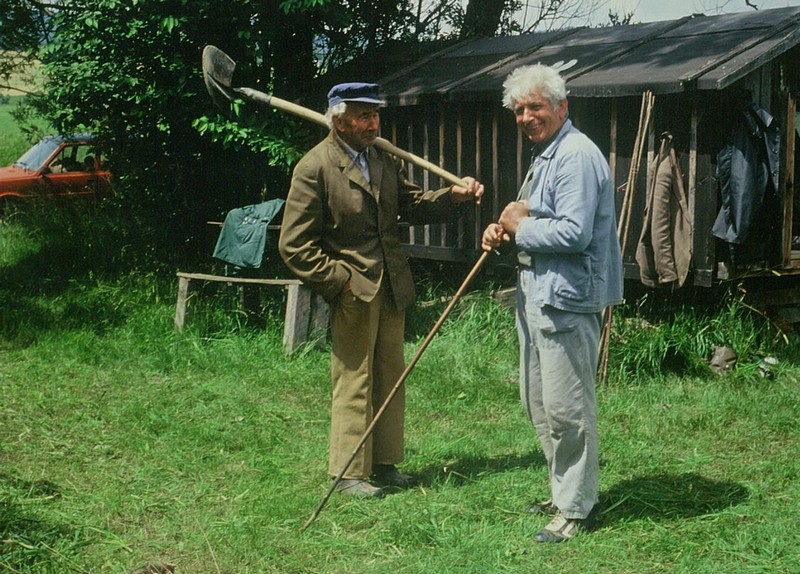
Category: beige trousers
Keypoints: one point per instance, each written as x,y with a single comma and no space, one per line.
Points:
366,362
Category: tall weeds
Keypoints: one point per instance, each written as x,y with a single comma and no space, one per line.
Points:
652,338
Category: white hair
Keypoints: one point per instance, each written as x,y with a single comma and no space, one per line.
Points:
535,79
335,111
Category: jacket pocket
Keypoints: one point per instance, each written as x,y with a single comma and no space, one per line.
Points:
574,277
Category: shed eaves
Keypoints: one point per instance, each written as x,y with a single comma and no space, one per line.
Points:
696,52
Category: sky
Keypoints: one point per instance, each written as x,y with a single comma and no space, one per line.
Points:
654,10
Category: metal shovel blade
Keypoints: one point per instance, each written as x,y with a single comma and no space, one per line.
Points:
218,70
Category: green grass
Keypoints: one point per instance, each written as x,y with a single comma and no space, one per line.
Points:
123,444
13,142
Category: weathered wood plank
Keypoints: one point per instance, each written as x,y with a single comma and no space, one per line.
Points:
180,307
237,280
306,315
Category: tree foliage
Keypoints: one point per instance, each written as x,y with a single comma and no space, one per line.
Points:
24,26
130,71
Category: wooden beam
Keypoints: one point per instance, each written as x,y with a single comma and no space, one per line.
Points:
442,227
459,165
787,176
495,178
426,153
236,280
612,154
692,192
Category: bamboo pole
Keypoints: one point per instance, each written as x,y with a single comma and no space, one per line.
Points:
623,225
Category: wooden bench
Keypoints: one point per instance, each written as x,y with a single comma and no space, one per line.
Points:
306,313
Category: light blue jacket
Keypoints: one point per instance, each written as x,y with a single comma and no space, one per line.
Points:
571,233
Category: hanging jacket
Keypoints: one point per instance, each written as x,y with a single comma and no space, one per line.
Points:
747,172
243,238
664,252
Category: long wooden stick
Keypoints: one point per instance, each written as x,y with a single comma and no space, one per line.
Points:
648,101
335,482
626,198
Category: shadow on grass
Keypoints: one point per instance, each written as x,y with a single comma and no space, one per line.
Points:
664,497
29,313
30,488
44,285
29,543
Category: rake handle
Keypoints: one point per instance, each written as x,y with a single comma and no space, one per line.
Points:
335,482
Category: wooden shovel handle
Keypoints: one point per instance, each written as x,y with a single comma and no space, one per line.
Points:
318,118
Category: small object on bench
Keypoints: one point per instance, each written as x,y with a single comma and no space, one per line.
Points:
306,316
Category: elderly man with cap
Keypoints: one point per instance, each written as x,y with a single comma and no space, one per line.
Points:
341,236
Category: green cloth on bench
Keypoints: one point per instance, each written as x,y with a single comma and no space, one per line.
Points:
243,238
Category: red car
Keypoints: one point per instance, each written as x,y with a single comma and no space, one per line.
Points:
56,167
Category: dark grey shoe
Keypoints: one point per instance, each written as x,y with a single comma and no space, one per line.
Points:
359,488
546,508
388,475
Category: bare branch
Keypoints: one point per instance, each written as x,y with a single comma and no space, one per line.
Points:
20,90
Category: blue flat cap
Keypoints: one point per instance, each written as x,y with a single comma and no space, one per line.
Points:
354,92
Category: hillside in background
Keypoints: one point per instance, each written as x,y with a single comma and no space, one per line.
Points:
18,84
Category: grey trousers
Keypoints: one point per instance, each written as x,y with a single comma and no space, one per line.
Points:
558,365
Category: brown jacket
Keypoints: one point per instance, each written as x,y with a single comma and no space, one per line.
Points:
664,252
337,227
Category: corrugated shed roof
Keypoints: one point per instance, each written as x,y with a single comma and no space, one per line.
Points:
695,52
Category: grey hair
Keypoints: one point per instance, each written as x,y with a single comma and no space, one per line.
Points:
334,111
537,78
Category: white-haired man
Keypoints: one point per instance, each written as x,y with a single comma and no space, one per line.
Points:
564,228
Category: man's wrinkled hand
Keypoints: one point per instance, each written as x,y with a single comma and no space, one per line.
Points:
512,215
474,190
493,236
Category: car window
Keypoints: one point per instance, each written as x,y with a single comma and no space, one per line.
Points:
35,157
66,161
72,158
85,156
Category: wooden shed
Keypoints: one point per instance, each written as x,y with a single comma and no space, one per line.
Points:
701,71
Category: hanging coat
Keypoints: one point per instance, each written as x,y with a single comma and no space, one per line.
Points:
664,252
243,238
747,172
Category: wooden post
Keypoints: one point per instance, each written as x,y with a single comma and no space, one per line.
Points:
298,317
320,317
787,178
612,154
180,307
307,316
